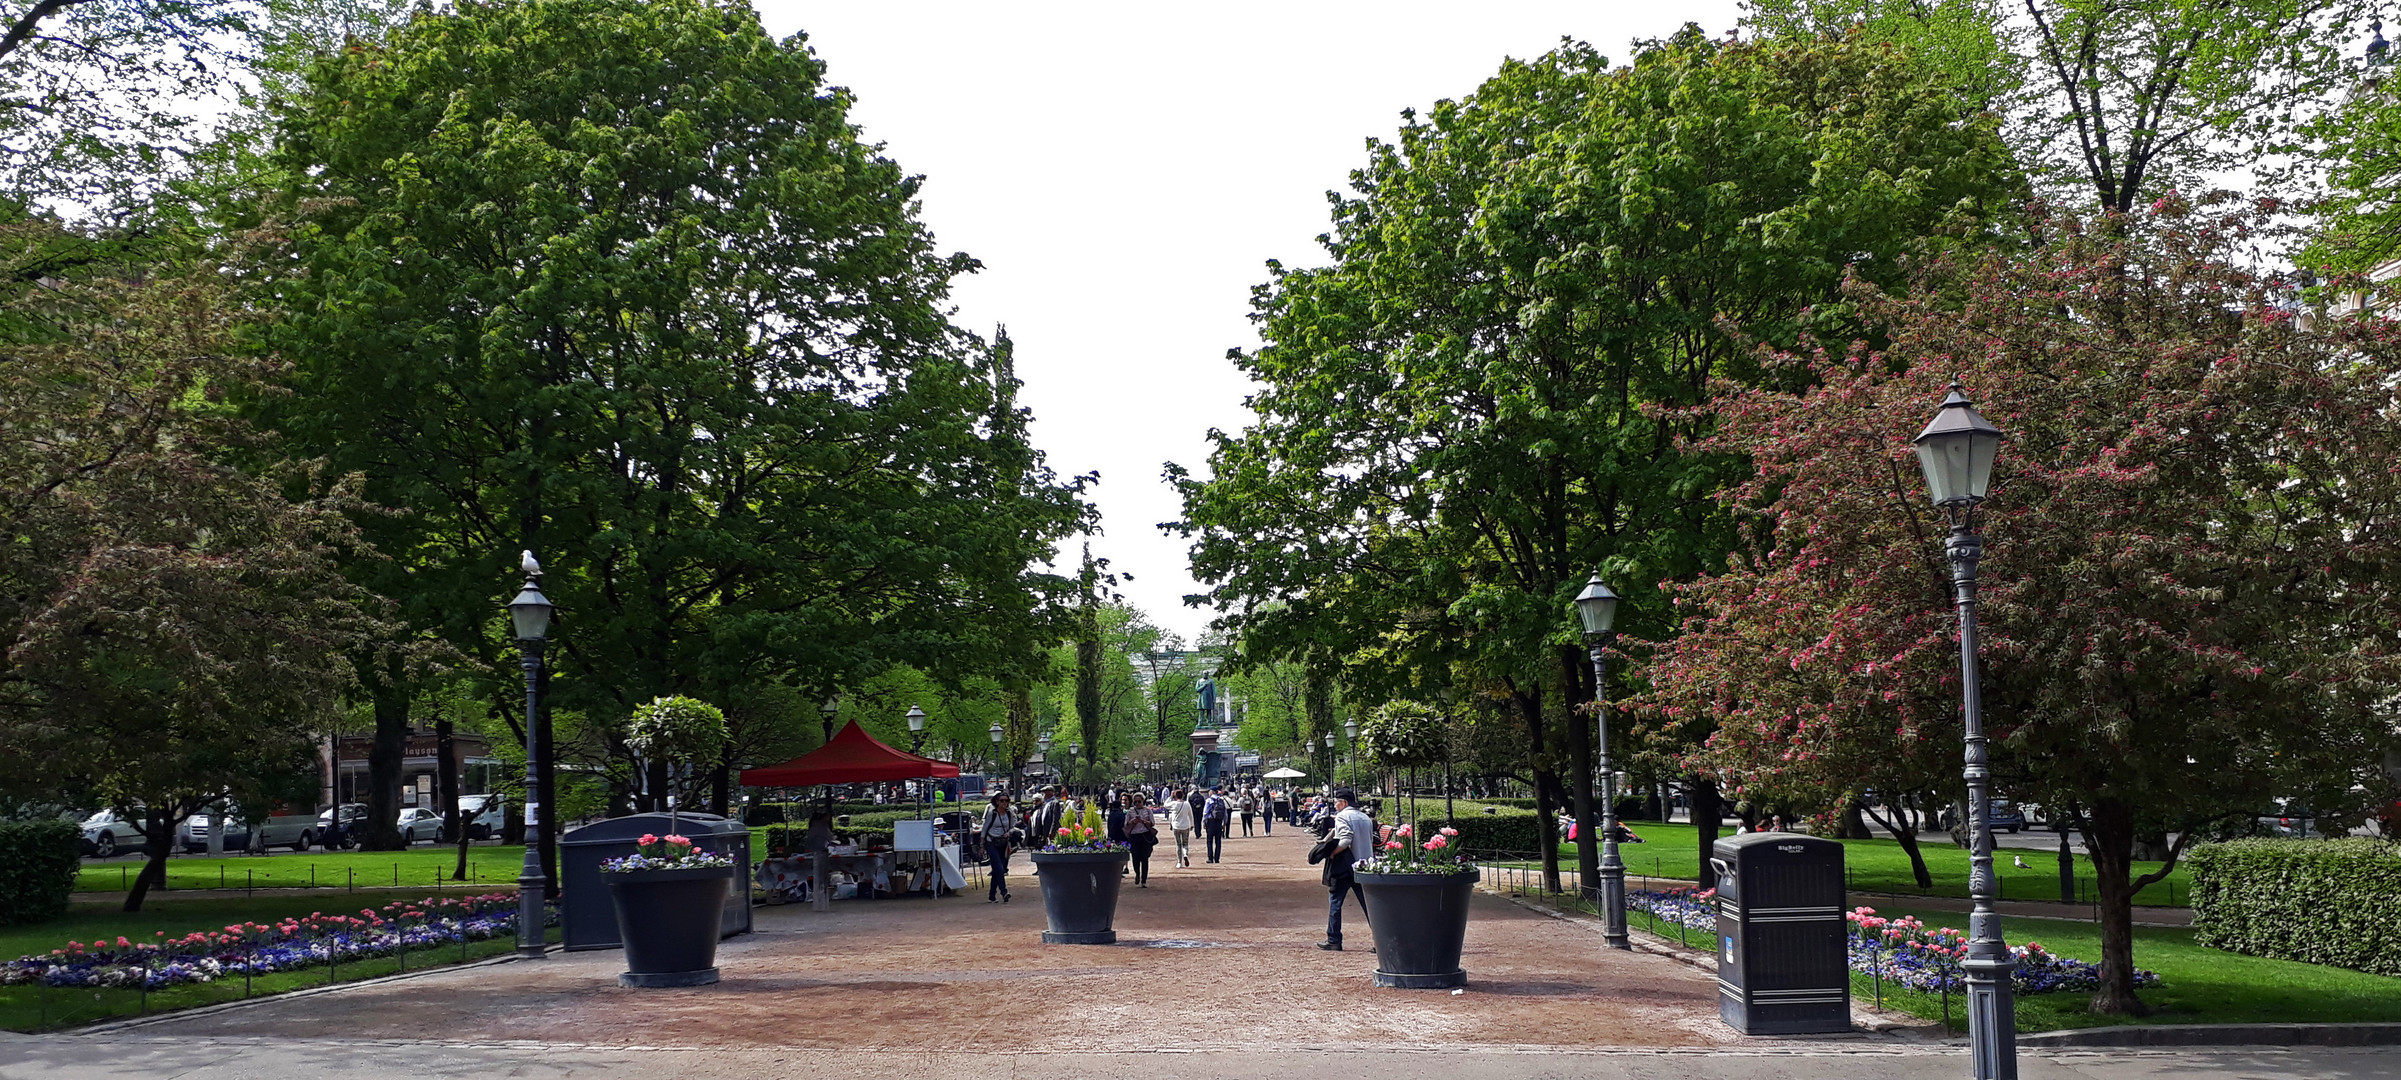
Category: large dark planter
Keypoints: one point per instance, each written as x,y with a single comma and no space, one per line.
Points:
1420,924
668,920
1079,895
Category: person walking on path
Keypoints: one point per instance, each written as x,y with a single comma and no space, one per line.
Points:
998,822
1216,812
1249,809
1267,812
1047,815
1180,817
1354,837
1141,835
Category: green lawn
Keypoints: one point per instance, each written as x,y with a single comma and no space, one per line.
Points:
1671,851
488,866
2198,985
32,1008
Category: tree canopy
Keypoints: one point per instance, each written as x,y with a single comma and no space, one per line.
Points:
618,282
1460,416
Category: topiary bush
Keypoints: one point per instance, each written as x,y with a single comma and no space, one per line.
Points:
2335,902
38,864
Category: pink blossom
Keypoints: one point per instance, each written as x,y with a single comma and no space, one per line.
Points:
648,838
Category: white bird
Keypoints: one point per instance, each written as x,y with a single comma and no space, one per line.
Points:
2021,861
532,568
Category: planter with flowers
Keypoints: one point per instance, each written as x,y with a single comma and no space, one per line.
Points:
669,894
1079,869
1417,890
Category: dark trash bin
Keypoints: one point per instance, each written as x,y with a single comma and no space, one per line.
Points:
588,918
1783,954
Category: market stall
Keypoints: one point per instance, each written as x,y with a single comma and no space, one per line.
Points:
855,757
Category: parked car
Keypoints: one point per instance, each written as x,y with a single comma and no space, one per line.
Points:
1998,813
192,835
354,816
486,815
107,832
420,823
2291,820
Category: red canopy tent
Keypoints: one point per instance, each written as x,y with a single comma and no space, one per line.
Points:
853,757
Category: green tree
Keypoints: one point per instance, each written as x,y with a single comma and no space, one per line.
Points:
618,282
2123,99
2360,232
1463,415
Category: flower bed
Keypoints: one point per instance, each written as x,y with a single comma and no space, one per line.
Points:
1902,950
263,949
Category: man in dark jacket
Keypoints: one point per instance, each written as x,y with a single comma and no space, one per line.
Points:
1045,825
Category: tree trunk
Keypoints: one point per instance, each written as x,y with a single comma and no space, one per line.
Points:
446,790
381,829
721,793
2109,840
2067,868
1707,810
1575,686
158,836
1898,825
1959,823
1546,806
1854,823
2151,847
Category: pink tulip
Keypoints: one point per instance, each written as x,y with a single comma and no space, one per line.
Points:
648,838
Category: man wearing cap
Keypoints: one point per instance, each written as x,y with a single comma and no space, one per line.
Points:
1354,834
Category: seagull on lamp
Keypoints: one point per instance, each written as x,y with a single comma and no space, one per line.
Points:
526,560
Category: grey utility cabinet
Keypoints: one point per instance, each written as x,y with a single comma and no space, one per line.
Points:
1783,963
588,918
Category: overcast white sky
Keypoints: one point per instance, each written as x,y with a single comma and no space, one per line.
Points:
1124,170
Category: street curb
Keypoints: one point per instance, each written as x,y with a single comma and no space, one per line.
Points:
2371,1034
110,1027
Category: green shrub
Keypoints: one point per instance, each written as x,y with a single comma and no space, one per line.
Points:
1507,828
2335,902
794,839
38,864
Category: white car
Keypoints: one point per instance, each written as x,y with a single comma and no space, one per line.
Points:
107,832
420,823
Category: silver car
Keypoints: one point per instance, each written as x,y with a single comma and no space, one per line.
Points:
419,823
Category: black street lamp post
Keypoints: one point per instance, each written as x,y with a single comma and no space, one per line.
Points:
1596,608
1956,453
1331,762
1350,741
529,617
916,729
996,733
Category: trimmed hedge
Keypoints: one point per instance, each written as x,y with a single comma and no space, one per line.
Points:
38,864
1507,828
2335,902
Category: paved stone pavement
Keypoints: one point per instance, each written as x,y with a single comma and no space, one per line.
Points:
128,1056
1216,976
